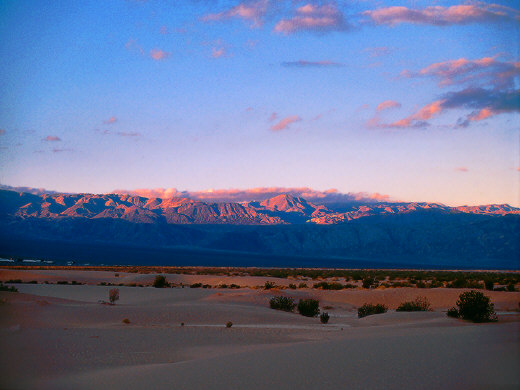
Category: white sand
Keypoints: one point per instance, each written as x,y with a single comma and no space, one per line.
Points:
59,337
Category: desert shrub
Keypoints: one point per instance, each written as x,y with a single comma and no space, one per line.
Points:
160,282
14,281
196,285
113,295
510,287
229,324
233,285
8,288
126,321
368,309
419,304
206,286
453,312
62,282
282,303
292,286
269,285
309,307
349,285
370,283
328,286
475,306
324,317
223,285
489,284
302,285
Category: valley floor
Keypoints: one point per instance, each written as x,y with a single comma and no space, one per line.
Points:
60,337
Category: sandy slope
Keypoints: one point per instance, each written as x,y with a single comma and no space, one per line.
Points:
60,337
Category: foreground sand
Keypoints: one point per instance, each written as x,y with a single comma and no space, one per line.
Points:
60,337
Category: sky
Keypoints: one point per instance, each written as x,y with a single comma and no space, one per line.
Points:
407,100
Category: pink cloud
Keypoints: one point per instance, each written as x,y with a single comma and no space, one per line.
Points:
273,116
387,104
133,45
285,123
443,16
110,120
128,134
310,17
251,11
481,115
462,169
51,138
258,194
418,118
217,53
158,54
486,70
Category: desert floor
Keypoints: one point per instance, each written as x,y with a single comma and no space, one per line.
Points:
61,337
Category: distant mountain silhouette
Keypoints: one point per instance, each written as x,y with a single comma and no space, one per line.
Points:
429,233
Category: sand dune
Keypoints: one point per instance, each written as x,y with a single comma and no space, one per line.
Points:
60,337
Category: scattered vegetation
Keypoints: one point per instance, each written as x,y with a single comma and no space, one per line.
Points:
8,288
474,306
113,295
368,309
309,307
269,285
419,304
324,317
282,303
229,324
160,282
302,285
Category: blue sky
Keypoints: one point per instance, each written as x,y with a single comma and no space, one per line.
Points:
415,100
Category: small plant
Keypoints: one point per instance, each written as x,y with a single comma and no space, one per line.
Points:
489,285
229,324
369,283
126,321
419,304
475,306
160,282
282,303
113,295
453,312
302,285
510,287
8,288
368,309
324,317
292,286
309,307
269,285
196,285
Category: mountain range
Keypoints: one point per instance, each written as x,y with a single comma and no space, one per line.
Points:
418,233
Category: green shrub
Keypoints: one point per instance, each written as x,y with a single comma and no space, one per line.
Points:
453,312
324,317
328,286
475,306
370,283
309,307
419,304
196,285
368,309
160,282
8,288
282,303
269,285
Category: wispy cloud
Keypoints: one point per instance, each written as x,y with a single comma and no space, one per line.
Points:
251,11
273,116
51,138
158,54
482,71
285,123
312,64
110,120
419,118
316,18
61,150
218,52
387,104
133,45
128,134
476,12
462,169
